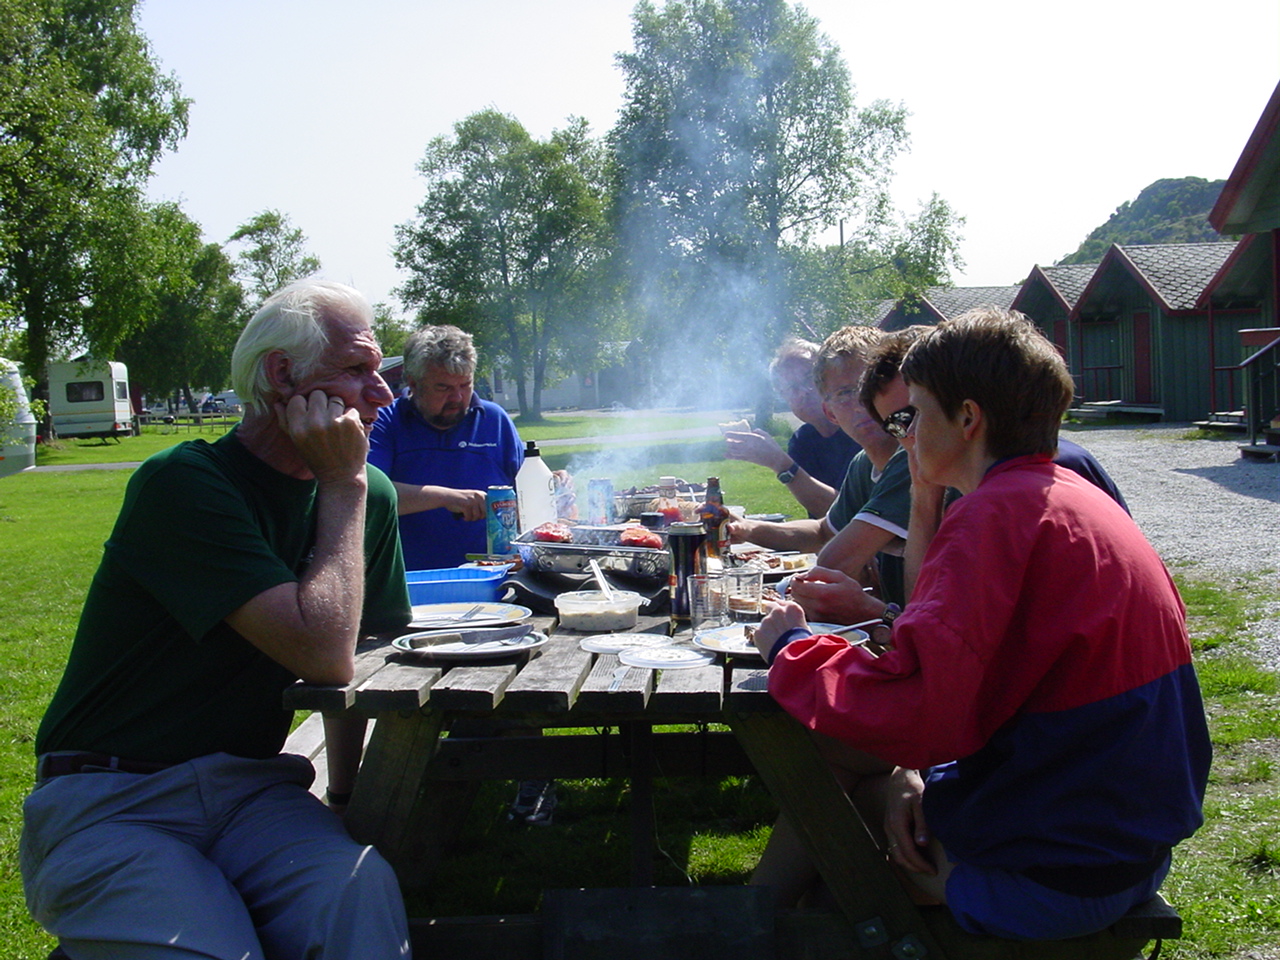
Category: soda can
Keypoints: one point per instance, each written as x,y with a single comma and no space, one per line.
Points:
599,501
501,520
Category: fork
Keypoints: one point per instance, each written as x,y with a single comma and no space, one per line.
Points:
618,674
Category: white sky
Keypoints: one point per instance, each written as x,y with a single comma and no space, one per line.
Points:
1034,120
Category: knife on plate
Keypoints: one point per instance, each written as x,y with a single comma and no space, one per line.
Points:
501,635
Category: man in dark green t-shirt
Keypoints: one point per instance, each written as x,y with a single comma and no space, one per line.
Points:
165,821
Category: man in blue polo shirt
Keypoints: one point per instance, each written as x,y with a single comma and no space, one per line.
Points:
443,447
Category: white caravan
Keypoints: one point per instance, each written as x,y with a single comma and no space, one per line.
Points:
17,435
90,398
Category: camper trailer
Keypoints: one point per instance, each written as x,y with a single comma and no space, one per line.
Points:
17,424
90,398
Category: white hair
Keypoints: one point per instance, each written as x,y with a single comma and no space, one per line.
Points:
291,320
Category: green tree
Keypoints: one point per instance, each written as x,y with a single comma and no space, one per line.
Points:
509,243
274,253
389,330
85,112
740,139
199,312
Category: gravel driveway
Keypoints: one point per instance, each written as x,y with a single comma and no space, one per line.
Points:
1199,502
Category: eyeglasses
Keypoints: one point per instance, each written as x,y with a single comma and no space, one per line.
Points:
898,423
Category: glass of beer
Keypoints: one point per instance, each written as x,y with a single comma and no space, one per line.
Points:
744,589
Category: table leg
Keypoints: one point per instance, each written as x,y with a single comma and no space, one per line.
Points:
863,885
390,806
643,841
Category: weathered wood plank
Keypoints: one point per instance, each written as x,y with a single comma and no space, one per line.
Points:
550,683
371,656
388,808
478,688
577,756
397,686
600,696
855,871
693,690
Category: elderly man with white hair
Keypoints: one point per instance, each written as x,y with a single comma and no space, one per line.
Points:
165,822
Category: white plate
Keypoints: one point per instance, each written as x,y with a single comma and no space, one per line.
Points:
665,658
436,616
733,638
444,649
617,642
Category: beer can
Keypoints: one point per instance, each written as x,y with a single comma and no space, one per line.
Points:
501,520
687,544
599,501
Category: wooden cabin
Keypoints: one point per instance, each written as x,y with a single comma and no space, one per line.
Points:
1048,296
1250,282
1139,340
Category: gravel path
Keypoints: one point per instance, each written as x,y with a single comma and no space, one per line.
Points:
1199,503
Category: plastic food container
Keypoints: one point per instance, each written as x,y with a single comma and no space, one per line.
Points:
589,612
455,584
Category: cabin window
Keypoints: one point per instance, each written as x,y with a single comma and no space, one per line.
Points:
84,391
122,391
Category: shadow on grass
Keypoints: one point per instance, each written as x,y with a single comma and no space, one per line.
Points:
501,867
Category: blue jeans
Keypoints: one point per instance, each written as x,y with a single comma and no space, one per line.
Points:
220,857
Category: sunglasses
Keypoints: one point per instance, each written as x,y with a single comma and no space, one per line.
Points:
899,422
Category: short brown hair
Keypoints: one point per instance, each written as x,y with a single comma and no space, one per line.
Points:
852,342
998,359
884,363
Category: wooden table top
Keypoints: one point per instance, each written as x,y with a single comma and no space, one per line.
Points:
559,682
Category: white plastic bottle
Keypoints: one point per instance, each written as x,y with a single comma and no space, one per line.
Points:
535,489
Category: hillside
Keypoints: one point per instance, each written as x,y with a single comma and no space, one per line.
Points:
1167,211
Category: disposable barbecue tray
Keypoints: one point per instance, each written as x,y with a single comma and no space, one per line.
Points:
599,543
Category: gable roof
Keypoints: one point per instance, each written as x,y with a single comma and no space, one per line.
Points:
943,303
1255,178
1174,274
1065,283
953,301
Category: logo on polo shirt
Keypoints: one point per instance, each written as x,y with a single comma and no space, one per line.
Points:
472,443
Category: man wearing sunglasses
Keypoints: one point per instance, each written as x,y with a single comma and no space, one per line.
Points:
868,520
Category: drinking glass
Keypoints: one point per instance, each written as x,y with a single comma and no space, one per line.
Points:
743,591
708,602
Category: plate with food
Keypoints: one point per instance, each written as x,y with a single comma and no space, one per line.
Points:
465,645
666,658
775,564
733,640
617,642
427,616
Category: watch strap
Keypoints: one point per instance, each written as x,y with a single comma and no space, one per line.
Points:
789,474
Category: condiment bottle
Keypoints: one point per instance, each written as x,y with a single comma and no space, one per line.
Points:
667,502
715,520
535,489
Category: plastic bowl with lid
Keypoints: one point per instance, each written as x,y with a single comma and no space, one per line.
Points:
590,612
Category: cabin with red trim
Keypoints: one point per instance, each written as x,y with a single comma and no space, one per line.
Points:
1250,281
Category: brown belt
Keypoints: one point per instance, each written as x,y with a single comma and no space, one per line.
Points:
61,764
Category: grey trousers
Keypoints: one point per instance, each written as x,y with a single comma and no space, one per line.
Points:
221,857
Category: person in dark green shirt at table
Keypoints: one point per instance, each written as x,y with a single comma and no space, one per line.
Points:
165,822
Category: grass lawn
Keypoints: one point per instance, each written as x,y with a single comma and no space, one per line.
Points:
1225,880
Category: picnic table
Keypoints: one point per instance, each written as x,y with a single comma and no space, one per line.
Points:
413,782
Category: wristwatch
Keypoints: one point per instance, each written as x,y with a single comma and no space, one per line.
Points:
789,474
890,614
